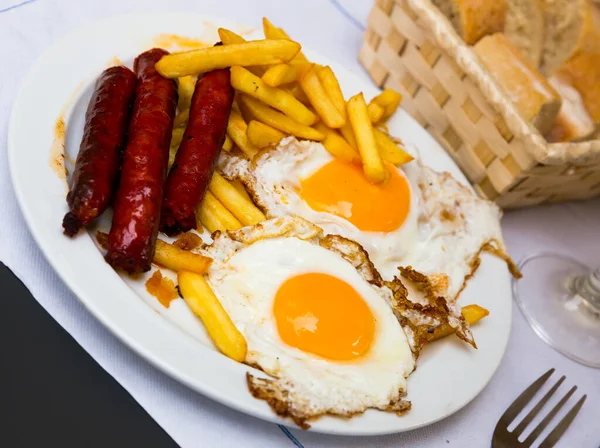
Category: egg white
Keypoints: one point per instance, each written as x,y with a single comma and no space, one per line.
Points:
245,278
275,177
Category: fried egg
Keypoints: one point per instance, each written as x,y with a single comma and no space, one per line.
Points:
316,318
420,219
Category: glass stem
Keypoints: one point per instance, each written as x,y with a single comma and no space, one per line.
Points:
588,288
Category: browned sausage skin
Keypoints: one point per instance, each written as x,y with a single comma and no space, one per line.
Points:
199,150
132,237
104,136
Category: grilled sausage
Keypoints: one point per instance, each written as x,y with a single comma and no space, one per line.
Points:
199,150
132,237
104,136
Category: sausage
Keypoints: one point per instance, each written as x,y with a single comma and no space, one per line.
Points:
104,136
132,237
199,150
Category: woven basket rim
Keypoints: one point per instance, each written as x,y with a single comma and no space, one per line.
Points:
447,39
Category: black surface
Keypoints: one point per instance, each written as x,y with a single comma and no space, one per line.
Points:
52,393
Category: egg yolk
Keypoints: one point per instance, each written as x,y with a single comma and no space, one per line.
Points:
321,314
341,188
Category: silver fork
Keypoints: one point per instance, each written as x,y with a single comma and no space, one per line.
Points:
503,438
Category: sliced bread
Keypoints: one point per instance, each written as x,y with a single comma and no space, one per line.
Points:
583,73
571,26
473,19
535,98
524,28
574,122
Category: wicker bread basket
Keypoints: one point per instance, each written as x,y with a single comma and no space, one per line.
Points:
411,47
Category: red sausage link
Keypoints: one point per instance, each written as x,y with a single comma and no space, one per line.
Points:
104,136
136,218
198,152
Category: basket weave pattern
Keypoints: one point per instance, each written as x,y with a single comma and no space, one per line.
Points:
410,47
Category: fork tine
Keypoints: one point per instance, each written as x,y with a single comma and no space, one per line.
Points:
562,426
539,428
517,405
537,408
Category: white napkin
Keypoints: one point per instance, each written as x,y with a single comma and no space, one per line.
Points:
333,28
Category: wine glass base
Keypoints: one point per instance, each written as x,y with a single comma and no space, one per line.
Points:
560,317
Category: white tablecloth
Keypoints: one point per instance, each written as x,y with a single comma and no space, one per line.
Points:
335,29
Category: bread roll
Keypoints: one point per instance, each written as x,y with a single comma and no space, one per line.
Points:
534,97
574,122
583,73
571,27
524,28
473,19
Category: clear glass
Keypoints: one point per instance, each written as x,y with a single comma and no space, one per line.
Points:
560,298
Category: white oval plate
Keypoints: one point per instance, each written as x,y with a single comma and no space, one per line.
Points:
449,374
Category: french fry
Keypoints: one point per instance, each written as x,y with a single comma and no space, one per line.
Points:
256,52
311,85
262,135
228,37
375,112
236,129
280,74
276,119
214,216
181,119
336,145
333,89
390,100
373,165
176,138
239,186
471,313
298,93
272,32
348,134
199,296
390,151
244,81
228,143
176,259
185,90
243,209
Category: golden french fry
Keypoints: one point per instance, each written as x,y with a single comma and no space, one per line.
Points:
262,135
239,186
181,119
333,89
363,131
244,81
276,119
176,138
199,296
176,259
298,93
280,74
214,216
272,32
375,112
390,100
256,52
236,129
228,37
348,134
185,89
245,211
471,313
228,143
320,100
390,151
336,145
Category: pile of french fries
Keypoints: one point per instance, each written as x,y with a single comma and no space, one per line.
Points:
279,93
